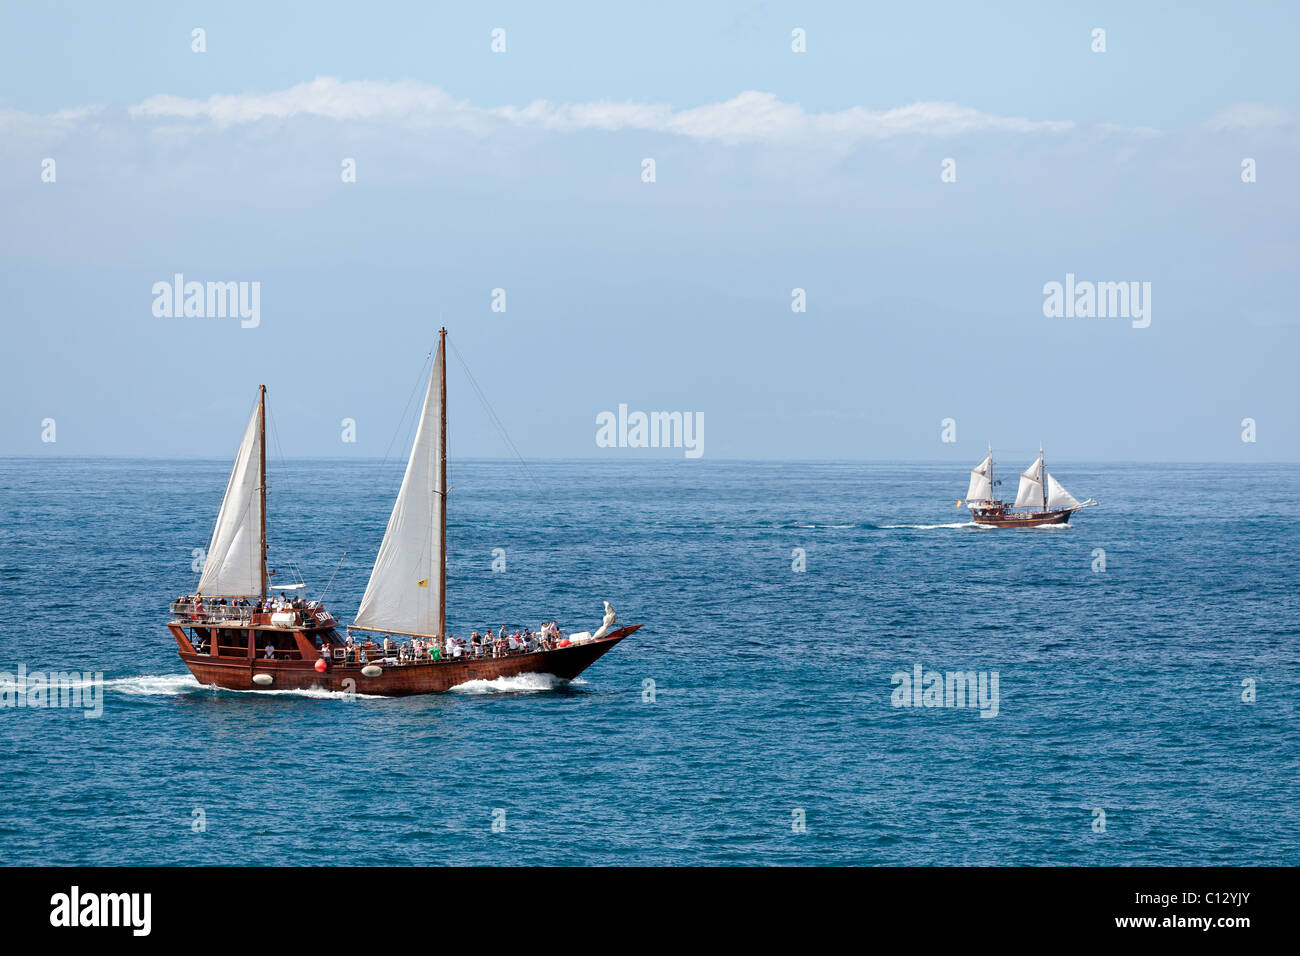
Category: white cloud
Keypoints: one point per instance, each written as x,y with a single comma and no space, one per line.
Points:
1250,116
322,97
751,117
17,120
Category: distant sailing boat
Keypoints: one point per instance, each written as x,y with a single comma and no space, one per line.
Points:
1044,497
235,644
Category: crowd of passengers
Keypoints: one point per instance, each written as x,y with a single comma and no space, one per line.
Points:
270,605
492,644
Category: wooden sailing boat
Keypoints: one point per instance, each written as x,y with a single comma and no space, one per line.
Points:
228,641
1042,498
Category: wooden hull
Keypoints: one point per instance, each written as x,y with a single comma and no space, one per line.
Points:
400,680
1008,519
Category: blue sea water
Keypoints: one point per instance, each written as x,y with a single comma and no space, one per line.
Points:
1120,690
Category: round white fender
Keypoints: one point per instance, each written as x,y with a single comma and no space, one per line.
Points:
372,670
262,679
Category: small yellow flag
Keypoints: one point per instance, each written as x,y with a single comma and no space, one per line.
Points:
423,584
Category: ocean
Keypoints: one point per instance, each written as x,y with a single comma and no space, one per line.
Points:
1145,659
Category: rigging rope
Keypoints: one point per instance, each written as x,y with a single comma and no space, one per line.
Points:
293,569
496,422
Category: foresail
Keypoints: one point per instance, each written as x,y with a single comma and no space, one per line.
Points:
1058,497
233,567
403,593
1030,494
981,487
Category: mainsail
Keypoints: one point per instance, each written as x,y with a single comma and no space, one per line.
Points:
981,484
233,567
1058,497
1030,494
404,594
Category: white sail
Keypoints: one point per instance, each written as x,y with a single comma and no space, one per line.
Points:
981,487
1030,494
403,594
1058,497
233,567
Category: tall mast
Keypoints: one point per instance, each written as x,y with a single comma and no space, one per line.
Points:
992,472
1042,474
442,489
261,438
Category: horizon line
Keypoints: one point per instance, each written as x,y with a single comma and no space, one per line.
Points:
642,460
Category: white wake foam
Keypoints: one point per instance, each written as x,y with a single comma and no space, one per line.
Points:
175,685
929,527
169,684
316,693
521,683
151,685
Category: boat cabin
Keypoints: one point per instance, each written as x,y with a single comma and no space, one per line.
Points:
227,630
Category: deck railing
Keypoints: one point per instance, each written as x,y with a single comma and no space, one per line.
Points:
207,613
189,611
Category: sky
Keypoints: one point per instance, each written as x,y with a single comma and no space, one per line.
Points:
128,157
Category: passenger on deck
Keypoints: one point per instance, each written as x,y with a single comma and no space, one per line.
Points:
269,651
